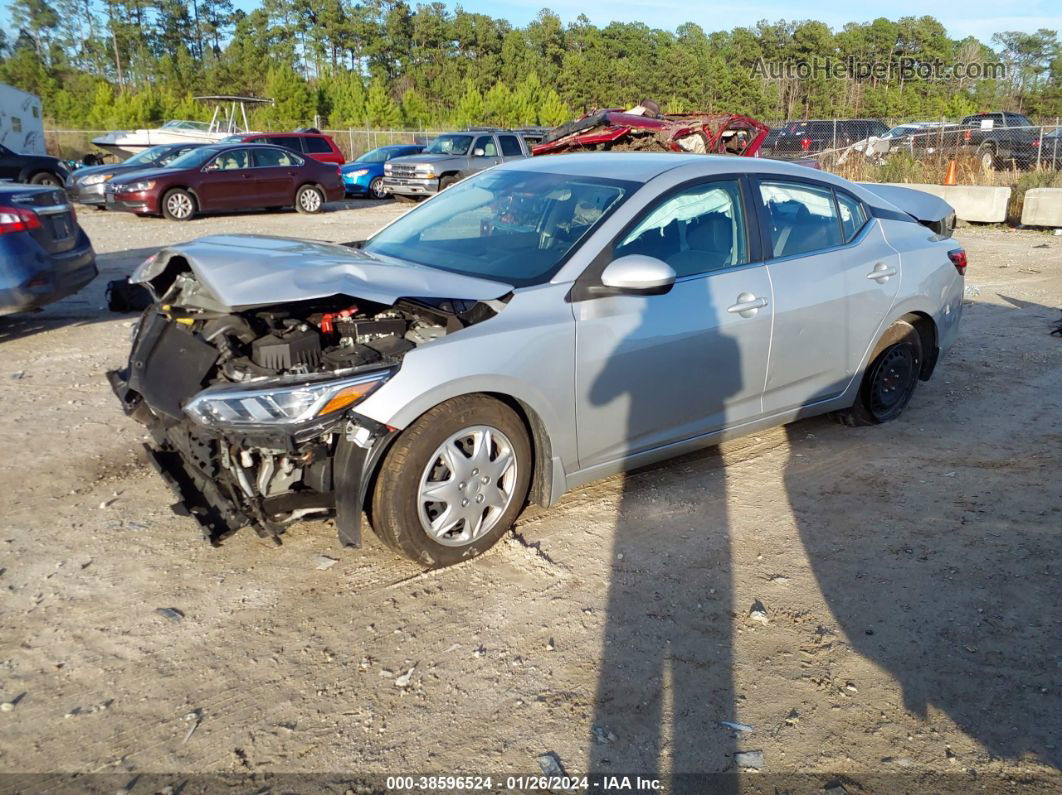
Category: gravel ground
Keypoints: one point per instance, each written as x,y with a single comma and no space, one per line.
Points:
878,606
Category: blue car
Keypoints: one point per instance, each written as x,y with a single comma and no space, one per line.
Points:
44,253
364,177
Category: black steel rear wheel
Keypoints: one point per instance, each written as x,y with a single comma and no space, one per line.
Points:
890,380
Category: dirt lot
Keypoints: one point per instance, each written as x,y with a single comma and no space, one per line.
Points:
909,575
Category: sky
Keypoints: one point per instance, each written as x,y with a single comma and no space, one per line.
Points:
980,18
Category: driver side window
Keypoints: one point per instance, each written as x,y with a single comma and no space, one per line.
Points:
486,143
698,230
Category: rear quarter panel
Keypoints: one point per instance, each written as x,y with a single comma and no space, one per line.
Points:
930,284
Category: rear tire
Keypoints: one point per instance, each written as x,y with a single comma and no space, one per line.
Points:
469,452
178,205
890,380
987,155
309,199
46,178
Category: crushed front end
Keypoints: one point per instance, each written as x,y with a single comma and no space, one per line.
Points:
251,412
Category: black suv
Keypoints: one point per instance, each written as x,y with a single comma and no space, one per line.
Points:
34,169
817,135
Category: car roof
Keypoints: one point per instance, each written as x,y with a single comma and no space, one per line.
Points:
286,135
644,166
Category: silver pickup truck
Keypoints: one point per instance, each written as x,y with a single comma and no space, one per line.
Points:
450,157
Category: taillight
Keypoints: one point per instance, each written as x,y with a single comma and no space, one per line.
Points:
18,219
805,144
958,259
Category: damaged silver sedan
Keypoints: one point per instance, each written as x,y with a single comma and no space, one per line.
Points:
530,329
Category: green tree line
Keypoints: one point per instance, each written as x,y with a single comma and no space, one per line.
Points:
103,64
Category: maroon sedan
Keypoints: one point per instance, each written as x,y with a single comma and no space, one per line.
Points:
227,177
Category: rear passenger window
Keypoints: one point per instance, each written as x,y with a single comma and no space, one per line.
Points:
801,218
853,216
316,145
509,145
274,158
287,143
698,230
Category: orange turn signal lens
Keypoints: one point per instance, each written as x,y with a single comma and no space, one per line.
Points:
347,397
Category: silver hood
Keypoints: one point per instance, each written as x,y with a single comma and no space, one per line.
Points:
243,271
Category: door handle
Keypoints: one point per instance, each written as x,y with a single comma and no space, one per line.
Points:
881,273
747,305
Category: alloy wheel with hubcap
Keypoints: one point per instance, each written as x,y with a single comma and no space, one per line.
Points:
376,189
467,485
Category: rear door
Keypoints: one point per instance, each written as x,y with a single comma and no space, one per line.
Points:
834,278
227,182
510,147
275,173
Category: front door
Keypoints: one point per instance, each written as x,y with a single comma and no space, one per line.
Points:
656,370
228,182
834,279
490,156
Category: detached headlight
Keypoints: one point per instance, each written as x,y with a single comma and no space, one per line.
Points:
96,179
361,172
136,187
281,402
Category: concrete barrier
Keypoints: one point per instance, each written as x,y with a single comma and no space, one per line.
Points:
1042,207
982,203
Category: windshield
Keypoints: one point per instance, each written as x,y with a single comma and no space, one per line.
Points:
195,158
147,157
449,145
516,227
375,156
180,124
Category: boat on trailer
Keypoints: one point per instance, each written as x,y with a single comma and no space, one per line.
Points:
229,118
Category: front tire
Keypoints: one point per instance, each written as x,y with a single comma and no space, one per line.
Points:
376,189
309,199
454,482
178,205
890,380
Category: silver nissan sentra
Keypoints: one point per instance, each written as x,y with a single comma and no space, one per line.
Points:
540,325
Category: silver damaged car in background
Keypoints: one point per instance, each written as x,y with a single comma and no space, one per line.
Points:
534,327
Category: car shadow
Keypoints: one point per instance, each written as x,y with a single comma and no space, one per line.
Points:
958,615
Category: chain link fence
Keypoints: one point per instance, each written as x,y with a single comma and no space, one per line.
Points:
984,142
985,148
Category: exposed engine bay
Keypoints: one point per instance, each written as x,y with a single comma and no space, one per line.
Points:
249,409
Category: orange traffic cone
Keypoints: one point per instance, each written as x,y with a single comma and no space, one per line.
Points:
949,178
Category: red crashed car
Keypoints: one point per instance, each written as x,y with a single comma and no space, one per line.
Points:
227,177
620,130
303,142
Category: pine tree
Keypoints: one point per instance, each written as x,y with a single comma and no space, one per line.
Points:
471,109
415,111
380,110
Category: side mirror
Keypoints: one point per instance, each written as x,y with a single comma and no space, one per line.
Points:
637,274
477,152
